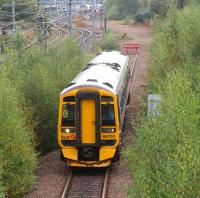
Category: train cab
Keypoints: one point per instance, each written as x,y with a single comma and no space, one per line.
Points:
92,110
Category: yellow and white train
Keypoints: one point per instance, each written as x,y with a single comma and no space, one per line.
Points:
92,111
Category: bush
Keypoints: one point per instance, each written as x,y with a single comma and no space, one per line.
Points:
165,159
30,83
141,18
113,13
127,21
109,41
159,7
2,190
176,43
120,9
20,6
18,158
40,77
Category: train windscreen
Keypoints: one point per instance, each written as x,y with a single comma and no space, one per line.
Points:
68,115
107,115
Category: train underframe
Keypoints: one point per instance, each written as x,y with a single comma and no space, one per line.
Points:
98,157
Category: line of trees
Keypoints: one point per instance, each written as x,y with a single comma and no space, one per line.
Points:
165,159
23,10
142,10
120,9
30,83
17,1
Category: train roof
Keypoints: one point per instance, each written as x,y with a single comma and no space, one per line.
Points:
103,71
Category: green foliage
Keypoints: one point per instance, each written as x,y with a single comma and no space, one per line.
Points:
40,77
127,21
17,155
176,43
165,158
120,9
113,12
141,18
159,7
30,83
20,7
109,41
145,4
2,189
17,1
3,40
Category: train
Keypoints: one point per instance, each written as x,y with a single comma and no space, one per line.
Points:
92,111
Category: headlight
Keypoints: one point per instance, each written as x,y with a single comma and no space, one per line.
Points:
68,130
108,130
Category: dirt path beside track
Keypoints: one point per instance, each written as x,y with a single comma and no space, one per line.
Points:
52,172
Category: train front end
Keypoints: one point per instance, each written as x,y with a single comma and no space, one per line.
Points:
88,127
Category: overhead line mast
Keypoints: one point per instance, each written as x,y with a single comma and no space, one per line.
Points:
93,20
13,17
70,16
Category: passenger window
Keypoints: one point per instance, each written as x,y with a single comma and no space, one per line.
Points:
68,115
107,115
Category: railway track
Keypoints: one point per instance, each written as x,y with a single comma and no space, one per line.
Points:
61,32
86,183
85,35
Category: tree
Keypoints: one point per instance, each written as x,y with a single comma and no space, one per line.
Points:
120,9
17,1
181,3
159,7
129,7
20,7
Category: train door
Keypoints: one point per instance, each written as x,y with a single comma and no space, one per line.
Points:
88,120
88,125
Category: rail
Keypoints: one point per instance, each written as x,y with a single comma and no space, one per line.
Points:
84,33
95,183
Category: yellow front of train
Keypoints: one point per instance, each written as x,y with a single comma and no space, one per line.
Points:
88,127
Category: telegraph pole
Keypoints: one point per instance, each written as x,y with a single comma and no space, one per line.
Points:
39,21
73,8
70,16
42,20
101,16
105,22
56,7
44,27
13,17
93,22
82,7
